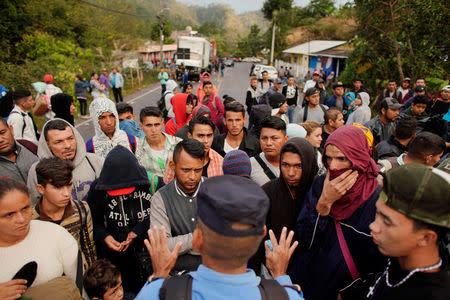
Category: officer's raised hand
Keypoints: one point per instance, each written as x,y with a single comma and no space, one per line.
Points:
162,259
277,260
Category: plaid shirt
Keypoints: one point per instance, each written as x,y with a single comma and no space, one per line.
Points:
150,162
81,228
214,167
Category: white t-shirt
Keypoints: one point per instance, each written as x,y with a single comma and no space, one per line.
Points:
22,124
309,84
50,245
227,148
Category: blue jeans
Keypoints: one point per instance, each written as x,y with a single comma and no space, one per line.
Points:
290,113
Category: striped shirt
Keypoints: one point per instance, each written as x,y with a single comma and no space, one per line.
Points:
214,167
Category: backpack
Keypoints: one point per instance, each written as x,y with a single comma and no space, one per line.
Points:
32,147
131,140
305,112
180,288
266,169
25,123
162,105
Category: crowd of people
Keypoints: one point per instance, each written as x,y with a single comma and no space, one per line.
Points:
314,199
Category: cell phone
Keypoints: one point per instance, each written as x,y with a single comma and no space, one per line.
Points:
27,272
269,244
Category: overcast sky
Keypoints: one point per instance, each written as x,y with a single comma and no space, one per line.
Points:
241,6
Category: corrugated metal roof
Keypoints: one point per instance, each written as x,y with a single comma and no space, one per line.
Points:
313,47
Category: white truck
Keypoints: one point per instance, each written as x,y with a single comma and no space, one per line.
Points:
194,54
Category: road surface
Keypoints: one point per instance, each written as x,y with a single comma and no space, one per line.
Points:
234,84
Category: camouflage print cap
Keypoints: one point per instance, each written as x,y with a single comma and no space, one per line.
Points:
419,192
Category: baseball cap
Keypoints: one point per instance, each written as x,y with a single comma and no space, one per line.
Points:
277,80
311,91
316,73
276,100
406,79
224,200
446,88
48,78
120,192
419,192
337,84
419,88
390,103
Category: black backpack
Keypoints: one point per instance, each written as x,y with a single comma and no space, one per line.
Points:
305,112
162,105
180,288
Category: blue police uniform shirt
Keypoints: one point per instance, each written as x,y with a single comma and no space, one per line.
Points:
209,284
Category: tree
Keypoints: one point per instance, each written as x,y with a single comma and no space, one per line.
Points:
275,5
13,24
320,8
167,29
399,38
252,44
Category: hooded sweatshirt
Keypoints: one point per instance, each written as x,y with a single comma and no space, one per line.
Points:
118,215
171,85
87,167
61,107
284,209
200,110
200,94
179,109
362,114
102,144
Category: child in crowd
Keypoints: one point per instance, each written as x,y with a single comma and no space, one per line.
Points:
102,281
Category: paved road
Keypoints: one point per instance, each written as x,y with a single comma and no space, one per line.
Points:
234,83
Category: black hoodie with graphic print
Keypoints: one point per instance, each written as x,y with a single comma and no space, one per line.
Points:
118,215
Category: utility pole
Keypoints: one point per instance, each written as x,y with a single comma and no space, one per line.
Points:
272,49
161,32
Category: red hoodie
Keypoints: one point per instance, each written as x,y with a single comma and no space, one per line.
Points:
179,109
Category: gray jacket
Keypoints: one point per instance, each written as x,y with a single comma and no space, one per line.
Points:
87,168
17,170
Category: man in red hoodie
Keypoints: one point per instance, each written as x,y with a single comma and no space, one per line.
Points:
182,108
213,103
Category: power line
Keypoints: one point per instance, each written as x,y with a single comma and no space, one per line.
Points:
115,10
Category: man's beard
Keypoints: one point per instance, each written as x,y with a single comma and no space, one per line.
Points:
236,133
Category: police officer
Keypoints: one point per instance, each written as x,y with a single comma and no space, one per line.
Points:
231,212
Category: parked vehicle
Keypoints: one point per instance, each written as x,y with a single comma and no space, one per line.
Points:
194,53
229,63
257,71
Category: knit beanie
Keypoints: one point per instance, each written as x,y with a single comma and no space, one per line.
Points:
237,162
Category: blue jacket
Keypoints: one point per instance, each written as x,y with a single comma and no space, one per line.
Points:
331,102
119,80
320,268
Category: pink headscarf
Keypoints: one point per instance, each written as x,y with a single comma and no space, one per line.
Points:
353,143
